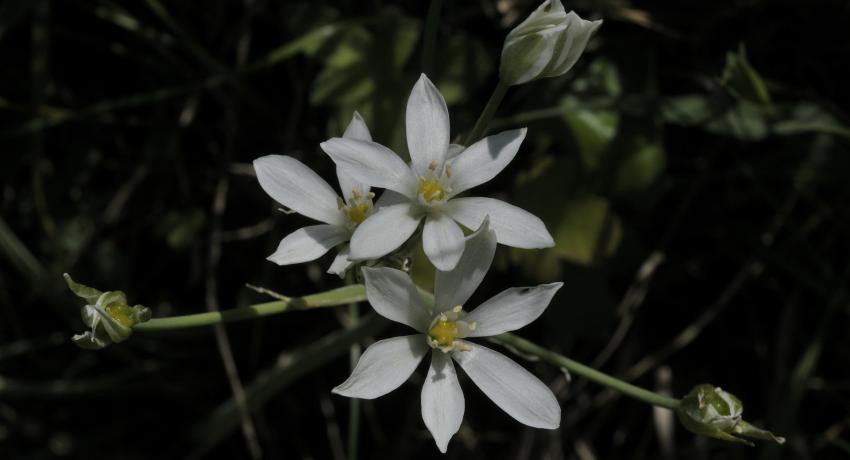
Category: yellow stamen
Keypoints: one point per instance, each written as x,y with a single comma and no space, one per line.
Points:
444,333
357,213
430,189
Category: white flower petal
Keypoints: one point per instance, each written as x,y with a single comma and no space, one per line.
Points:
357,130
383,232
394,296
513,226
371,163
511,309
427,121
574,41
442,240
484,159
308,243
454,150
442,400
341,264
294,185
389,198
515,390
456,286
383,367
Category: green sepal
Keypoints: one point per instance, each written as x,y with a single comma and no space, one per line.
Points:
89,293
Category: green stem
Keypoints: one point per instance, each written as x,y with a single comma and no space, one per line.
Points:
341,296
589,373
488,113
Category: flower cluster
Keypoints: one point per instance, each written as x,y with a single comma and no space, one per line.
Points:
425,190
426,197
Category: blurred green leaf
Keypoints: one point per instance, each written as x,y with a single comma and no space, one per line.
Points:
588,230
640,167
593,129
742,80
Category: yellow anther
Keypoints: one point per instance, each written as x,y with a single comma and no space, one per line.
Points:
430,189
444,332
357,213
472,326
457,308
433,165
355,192
449,171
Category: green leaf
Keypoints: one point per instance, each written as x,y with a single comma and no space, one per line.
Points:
587,231
593,129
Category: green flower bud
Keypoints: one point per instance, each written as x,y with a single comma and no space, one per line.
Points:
107,315
710,411
547,44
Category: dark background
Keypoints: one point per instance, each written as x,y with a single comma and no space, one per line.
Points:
121,123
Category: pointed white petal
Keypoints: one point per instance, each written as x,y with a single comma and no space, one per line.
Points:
389,198
511,309
442,240
294,185
427,126
383,367
341,264
442,400
484,159
308,243
383,232
515,390
371,163
357,130
394,296
513,226
456,286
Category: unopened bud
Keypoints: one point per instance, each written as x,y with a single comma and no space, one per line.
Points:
547,44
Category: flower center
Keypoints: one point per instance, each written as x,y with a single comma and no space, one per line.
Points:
357,208
433,187
447,329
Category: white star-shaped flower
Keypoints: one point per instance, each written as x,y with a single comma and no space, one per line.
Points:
294,185
443,329
429,185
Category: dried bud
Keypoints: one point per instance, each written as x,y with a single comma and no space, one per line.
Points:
107,315
710,411
547,44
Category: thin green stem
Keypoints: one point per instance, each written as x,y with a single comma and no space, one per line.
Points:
432,25
589,373
489,111
341,296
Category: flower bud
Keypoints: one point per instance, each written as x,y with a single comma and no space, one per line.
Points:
710,411
547,44
107,315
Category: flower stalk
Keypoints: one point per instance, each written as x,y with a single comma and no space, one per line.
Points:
530,348
487,114
335,297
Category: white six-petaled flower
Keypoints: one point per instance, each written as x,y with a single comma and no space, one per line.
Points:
296,186
443,329
426,189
